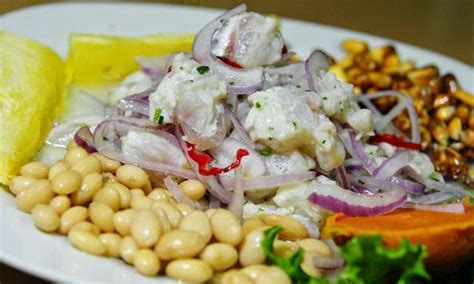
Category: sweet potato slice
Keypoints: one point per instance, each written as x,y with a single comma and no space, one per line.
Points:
448,237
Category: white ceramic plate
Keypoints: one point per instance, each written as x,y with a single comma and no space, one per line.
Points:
52,257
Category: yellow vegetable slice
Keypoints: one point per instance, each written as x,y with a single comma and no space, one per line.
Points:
99,60
31,87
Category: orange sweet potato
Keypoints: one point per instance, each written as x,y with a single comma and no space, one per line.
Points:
448,237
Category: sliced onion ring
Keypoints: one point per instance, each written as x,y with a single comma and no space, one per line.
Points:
316,62
181,197
111,150
336,199
239,81
84,138
266,182
392,165
455,208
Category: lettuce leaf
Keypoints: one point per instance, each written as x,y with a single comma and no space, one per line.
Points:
369,261
290,265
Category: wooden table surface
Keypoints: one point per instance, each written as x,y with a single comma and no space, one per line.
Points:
444,26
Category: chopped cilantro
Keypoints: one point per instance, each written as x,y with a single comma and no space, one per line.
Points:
360,181
271,128
258,105
266,152
157,116
270,138
231,83
295,125
324,141
192,81
260,210
325,98
298,86
181,68
203,69
434,178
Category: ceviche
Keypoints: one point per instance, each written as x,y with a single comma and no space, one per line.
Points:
224,164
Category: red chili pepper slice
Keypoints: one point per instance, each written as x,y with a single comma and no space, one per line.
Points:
229,62
394,140
203,160
170,68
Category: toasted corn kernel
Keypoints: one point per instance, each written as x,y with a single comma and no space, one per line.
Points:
355,46
441,100
380,53
445,113
440,134
454,128
465,97
422,76
462,111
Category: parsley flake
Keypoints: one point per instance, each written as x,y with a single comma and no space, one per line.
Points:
203,69
258,105
295,125
157,117
265,152
231,83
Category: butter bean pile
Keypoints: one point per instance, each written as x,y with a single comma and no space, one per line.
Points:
109,209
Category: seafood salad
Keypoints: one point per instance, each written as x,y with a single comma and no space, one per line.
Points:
242,123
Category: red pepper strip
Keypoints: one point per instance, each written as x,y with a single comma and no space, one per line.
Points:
170,68
394,140
229,62
203,160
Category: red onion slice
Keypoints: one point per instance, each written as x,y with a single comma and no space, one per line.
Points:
239,81
455,208
236,205
431,198
404,102
336,199
84,138
450,188
110,146
180,197
238,126
137,103
392,165
355,148
328,262
341,177
316,62
266,182
410,186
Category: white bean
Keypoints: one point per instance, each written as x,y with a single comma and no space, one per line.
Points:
60,203
226,228
220,256
174,215
20,183
36,170
122,221
101,215
146,262
86,241
192,270
273,275
128,249
109,196
132,176
179,244
111,241
90,184
87,165
71,217
251,251
45,217
197,221
145,228
39,193
58,167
